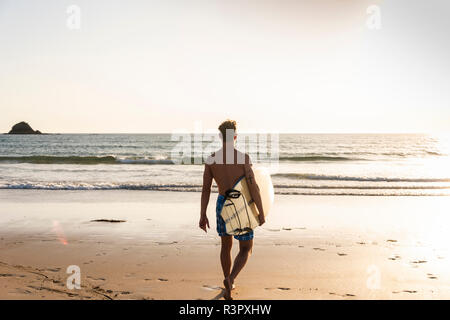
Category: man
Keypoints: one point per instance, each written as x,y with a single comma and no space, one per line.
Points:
226,166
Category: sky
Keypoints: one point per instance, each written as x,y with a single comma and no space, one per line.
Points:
279,66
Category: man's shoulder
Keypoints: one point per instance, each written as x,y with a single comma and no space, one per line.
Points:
211,159
245,156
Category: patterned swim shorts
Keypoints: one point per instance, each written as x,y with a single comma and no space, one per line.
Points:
221,230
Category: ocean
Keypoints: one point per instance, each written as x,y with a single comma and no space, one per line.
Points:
305,164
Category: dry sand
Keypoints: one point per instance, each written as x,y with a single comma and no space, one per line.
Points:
312,247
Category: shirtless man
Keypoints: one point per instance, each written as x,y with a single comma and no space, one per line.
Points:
226,166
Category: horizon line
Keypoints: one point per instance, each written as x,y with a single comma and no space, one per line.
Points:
243,132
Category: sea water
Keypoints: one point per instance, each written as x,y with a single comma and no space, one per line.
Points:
306,164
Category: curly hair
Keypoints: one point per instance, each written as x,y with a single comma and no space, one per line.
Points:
227,125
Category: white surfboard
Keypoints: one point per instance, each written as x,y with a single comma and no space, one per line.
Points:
239,211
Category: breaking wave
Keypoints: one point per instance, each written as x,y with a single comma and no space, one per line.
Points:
311,176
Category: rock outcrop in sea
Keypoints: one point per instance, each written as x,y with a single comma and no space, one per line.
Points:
23,128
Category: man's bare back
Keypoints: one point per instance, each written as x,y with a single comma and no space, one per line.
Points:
226,170
226,175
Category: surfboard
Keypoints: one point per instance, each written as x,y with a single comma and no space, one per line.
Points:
239,211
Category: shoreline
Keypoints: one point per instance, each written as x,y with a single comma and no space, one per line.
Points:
197,190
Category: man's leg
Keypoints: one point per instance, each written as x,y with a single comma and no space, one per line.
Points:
225,255
245,249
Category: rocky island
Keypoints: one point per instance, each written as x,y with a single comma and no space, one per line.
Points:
23,128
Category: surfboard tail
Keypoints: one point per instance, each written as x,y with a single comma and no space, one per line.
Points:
238,216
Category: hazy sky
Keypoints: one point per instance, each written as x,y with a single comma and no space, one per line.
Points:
286,66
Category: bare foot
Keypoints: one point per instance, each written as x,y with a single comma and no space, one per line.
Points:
228,285
232,284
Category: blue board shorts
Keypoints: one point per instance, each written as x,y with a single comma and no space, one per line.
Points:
221,229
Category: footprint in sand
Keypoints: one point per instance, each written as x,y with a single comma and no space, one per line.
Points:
410,291
361,243
162,279
7,275
431,276
12,275
22,291
341,254
318,249
108,220
395,257
279,288
342,295
391,240
419,261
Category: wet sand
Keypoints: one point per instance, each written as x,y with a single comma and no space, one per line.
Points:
146,245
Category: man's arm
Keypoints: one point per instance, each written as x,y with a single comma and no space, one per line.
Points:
254,190
206,192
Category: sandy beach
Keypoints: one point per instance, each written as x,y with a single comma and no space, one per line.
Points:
312,247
